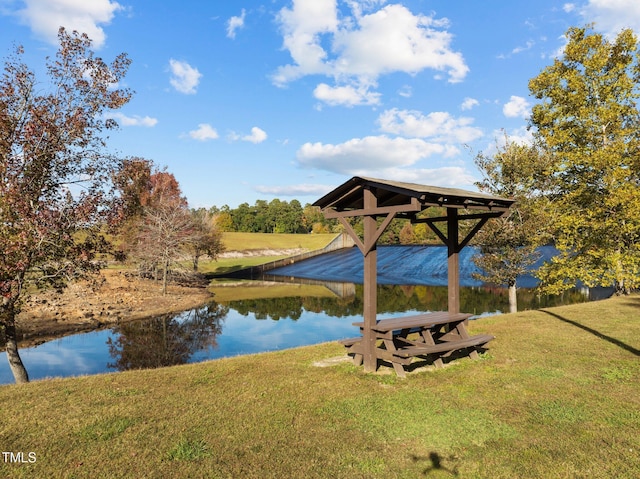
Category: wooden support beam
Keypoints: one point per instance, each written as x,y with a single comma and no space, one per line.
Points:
453,260
354,236
474,216
438,233
413,206
371,242
370,358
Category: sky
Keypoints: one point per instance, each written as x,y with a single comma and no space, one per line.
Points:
252,100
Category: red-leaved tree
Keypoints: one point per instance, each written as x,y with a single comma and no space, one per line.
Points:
53,170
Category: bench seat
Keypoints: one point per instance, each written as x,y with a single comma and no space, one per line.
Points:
350,341
416,348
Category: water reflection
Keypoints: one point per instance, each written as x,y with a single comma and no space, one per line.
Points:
167,340
267,318
391,299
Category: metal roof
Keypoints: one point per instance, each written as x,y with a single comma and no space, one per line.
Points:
349,196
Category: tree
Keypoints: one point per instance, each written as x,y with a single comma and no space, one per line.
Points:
132,182
53,171
313,220
508,245
589,121
407,235
223,220
166,226
206,239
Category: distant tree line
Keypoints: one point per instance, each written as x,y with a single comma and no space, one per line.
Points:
278,216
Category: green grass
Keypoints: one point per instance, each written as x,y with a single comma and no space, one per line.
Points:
226,291
245,242
557,395
262,241
227,265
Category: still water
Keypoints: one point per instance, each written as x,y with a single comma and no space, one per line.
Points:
304,314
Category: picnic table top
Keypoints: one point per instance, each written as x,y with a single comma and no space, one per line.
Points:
418,320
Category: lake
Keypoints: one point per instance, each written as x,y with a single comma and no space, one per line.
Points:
286,312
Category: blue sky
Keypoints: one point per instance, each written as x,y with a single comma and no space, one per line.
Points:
253,99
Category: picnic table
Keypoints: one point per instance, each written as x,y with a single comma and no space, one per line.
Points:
434,335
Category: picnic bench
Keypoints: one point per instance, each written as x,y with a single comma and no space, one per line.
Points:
434,336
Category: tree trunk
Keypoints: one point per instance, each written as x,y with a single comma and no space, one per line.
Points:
513,298
164,277
7,319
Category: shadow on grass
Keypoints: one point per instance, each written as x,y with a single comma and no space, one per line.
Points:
436,464
596,333
633,301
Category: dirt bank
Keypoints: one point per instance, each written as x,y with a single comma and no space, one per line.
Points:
81,307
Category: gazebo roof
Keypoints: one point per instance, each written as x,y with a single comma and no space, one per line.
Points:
349,196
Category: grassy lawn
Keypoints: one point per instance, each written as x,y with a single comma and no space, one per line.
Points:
261,241
226,291
556,396
227,265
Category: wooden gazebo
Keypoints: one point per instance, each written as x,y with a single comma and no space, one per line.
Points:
372,199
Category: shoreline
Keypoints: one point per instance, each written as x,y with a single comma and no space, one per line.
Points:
47,315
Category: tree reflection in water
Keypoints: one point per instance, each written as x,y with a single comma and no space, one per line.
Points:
166,340
392,299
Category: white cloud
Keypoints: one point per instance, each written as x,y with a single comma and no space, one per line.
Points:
301,29
469,103
405,91
394,39
516,107
204,132
528,45
134,120
257,135
304,189
348,95
235,23
438,126
357,49
612,16
184,77
447,176
519,136
45,17
362,156
569,7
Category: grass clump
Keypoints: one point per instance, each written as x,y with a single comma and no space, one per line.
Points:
188,450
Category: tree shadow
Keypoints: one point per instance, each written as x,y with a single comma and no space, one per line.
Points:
436,464
596,333
633,301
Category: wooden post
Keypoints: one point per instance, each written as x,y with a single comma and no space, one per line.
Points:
453,260
370,284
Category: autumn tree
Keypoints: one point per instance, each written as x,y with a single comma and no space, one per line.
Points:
588,119
166,226
206,239
507,246
132,182
53,170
